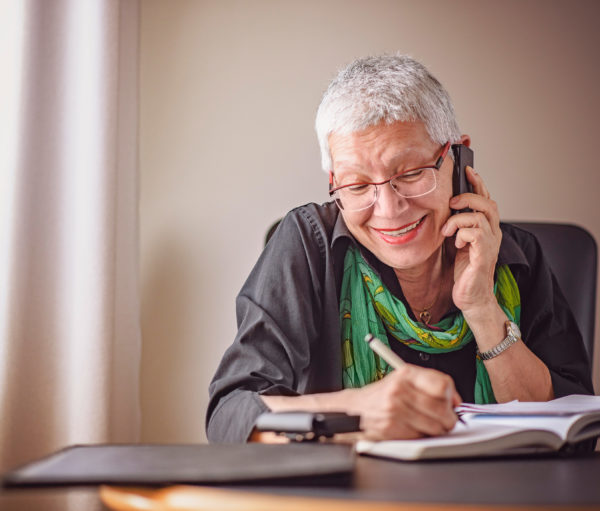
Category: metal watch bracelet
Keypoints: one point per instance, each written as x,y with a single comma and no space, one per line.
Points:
508,341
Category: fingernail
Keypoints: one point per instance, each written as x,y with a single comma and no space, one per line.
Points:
472,169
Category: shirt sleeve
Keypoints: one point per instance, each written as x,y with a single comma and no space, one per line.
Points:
549,328
278,316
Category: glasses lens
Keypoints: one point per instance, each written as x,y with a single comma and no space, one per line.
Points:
354,198
414,183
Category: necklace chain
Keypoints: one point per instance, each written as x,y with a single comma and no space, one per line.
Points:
424,313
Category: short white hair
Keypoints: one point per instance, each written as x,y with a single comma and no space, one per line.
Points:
385,88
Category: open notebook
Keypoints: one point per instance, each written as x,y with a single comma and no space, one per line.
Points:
501,430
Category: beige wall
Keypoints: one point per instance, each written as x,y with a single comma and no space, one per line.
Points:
229,91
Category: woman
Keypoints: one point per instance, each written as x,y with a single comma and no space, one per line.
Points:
449,293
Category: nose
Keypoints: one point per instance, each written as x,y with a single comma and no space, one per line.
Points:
389,203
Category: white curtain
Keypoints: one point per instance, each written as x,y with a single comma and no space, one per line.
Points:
69,305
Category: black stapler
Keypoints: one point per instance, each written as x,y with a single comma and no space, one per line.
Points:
307,426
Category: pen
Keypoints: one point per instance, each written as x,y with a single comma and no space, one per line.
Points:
390,357
384,352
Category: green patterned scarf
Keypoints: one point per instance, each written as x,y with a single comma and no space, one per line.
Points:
367,306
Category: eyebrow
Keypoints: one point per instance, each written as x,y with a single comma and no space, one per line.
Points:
351,166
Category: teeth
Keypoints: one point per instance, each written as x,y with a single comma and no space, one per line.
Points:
403,230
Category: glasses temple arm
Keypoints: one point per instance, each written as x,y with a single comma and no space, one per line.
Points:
439,161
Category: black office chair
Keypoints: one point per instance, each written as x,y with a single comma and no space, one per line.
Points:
572,254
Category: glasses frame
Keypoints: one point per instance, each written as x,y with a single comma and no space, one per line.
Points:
436,166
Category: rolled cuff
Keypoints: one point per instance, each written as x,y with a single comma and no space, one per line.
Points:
245,406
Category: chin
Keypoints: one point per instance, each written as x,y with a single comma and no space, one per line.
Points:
408,259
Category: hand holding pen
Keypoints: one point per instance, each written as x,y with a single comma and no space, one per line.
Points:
395,361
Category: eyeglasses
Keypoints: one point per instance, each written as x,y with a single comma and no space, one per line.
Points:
409,184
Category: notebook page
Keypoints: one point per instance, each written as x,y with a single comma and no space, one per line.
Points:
568,405
557,424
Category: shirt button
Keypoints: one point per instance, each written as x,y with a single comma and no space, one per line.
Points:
424,356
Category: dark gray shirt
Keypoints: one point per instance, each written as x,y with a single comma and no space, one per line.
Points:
289,342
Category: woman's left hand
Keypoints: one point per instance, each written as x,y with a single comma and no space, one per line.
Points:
478,238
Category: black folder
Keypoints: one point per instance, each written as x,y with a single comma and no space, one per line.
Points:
304,463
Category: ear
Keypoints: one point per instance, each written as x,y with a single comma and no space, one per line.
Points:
465,140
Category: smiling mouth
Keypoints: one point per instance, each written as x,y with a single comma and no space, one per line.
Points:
403,230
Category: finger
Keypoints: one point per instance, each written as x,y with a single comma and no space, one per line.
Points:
454,396
407,421
429,425
476,238
409,411
456,399
476,203
376,429
477,182
432,392
476,219
467,236
428,381
432,416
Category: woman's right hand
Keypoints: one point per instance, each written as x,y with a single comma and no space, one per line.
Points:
410,402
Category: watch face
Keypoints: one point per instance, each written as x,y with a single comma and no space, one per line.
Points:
514,329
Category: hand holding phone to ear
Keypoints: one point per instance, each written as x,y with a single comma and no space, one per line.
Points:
475,223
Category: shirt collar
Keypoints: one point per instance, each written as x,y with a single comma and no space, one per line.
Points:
510,252
340,229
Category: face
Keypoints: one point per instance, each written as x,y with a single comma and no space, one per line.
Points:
403,233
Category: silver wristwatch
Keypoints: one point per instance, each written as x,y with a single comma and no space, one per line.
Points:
513,334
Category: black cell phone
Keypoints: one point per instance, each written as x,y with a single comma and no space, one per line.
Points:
463,157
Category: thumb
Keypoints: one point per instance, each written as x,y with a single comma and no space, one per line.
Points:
456,399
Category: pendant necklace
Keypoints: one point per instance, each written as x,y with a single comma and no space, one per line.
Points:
424,313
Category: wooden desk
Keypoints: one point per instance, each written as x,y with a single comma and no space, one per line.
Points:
51,499
380,485
498,484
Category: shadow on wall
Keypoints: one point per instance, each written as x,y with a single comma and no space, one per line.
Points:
166,321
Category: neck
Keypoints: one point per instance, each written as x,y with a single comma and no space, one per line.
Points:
422,285
426,274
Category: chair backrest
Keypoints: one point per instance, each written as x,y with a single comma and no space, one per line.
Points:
572,254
